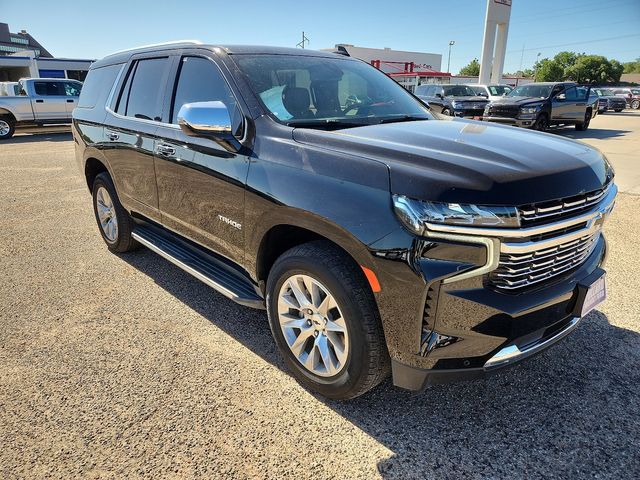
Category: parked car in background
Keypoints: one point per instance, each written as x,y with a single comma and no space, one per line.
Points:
378,239
540,105
607,100
630,94
452,100
491,92
42,101
9,89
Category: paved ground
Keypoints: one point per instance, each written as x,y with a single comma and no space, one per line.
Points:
124,366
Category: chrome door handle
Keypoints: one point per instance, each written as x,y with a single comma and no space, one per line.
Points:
113,136
166,150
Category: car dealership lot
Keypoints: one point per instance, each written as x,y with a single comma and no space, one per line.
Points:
115,366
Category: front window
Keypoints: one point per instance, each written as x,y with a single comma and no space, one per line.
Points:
499,90
537,91
458,91
327,92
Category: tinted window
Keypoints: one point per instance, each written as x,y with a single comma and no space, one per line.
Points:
146,89
200,80
459,91
98,85
571,94
72,89
49,88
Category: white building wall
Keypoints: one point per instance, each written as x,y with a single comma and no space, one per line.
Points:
421,60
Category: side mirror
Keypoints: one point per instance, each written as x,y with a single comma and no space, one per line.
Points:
561,97
439,95
210,120
483,94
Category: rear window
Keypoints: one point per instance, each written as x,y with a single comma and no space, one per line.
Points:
49,88
97,86
144,89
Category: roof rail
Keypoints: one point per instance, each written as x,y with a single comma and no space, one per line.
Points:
164,44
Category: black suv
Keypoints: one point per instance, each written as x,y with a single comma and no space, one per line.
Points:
541,105
452,100
313,186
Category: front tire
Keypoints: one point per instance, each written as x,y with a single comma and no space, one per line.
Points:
581,127
635,104
114,222
325,322
446,111
542,123
618,110
7,128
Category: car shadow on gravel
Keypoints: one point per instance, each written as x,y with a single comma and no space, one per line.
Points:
53,136
570,412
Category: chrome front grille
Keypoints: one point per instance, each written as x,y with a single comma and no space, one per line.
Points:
557,209
518,270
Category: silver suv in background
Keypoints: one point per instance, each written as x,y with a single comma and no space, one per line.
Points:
492,91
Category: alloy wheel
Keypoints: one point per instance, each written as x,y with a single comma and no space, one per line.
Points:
5,128
635,104
106,214
313,326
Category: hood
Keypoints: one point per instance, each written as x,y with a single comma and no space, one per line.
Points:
518,100
471,162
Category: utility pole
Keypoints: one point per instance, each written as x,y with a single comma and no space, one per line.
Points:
451,44
535,72
304,39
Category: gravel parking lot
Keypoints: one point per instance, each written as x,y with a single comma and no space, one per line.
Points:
125,366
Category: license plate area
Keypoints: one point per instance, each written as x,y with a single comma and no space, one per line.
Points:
591,293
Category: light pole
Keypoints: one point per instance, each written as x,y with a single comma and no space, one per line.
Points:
535,72
451,44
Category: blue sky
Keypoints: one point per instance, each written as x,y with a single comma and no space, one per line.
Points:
92,29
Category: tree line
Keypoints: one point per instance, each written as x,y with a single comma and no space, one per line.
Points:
578,67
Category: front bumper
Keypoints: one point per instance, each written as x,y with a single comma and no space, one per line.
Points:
516,122
443,318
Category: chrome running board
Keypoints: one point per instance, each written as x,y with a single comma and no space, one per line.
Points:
201,264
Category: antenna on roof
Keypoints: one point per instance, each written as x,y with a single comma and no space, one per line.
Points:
304,39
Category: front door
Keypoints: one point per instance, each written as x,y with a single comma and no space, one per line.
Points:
200,184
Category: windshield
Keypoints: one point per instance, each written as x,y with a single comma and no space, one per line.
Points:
532,90
327,92
458,91
601,92
499,90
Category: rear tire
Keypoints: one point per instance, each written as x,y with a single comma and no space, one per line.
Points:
114,222
7,128
340,351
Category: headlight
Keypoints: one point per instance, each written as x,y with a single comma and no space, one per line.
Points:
530,109
415,214
457,104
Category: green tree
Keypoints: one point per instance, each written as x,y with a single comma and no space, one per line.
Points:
548,70
632,67
472,69
594,69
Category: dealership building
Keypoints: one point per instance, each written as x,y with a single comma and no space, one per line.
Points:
409,69
23,56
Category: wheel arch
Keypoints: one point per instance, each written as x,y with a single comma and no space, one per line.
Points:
282,236
8,114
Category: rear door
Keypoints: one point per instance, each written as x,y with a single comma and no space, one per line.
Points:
132,120
200,184
49,100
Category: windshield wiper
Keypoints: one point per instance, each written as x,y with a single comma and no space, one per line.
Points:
403,118
329,123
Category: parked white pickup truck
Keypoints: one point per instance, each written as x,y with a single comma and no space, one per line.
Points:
42,101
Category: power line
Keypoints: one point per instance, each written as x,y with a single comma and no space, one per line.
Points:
577,43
